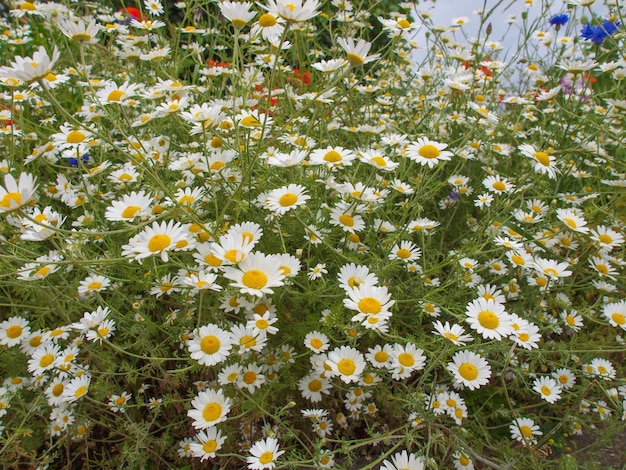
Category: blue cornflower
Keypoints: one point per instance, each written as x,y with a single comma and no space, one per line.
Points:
559,20
74,161
597,34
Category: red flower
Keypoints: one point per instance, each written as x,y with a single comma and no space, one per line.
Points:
133,12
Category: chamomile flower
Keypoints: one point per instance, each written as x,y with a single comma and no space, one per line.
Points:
368,300
470,369
347,363
262,324
547,388
264,454
76,388
30,69
77,30
524,430
238,13
251,377
353,276
357,52
428,152
206,443
572,319
209,408
332,157
286,198
293,11
104,330
403,461
312,386
606,238
455,333
405,251
268,26
573,220
615,313
92,284
158,239
498,185
13,331
544,163
210,345
406,359
316,342
16,193
129,207
565,378
256,275
43,358
602,368
488,318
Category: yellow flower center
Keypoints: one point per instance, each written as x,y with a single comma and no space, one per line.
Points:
267,20
76,137
546,390
468,371
381,356
266,457
159,242
250,121
14,331
288,199
130,211
212,411
517,259
247,341
346,367
95,285
380,161
332,156
316,343
550,272
210,344
119,401
524,336
262,324
249,377
526,431
403,23
46,360
209,446
403,253
499,186
406,359
347,220
606,239
464,460
234,256
254,279
450,336
57,390
542,157
11,199
619,318
80,391
570,222
103,331
370,305
355,59
429,151
28,6
488,319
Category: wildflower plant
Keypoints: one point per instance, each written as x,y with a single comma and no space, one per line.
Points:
252,235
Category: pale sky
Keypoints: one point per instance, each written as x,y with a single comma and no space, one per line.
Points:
443,11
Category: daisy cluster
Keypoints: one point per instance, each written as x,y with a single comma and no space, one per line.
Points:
261,235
